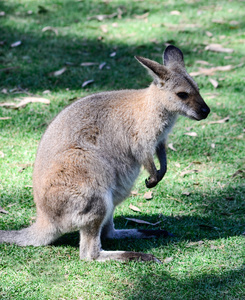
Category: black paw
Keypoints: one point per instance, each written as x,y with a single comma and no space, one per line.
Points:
151,182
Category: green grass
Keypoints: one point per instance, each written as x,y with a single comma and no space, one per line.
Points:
208,249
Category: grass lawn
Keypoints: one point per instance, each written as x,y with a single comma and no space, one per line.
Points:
204,210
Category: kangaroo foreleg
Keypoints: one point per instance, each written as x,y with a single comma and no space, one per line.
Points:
156,175
162,157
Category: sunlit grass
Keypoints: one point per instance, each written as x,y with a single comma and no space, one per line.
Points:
204,210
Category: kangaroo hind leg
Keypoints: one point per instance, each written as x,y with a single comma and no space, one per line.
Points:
90,235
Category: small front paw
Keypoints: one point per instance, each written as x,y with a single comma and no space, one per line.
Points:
151,182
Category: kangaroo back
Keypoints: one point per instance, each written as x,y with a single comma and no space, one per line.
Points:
91,153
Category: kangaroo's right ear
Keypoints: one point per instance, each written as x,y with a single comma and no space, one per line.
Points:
172,55
156,70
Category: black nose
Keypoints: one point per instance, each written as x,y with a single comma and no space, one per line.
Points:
205,110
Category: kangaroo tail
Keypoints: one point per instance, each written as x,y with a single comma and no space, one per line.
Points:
35,235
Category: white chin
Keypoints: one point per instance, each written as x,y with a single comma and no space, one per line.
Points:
191,116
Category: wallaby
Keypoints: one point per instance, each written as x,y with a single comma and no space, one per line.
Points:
91,154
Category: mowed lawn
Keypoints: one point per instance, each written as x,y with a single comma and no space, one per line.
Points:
64,50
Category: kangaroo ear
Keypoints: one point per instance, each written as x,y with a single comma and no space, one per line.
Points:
173,55
156,70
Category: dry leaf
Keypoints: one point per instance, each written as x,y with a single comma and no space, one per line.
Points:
186,193
209,34
168,259
88,64
134,208
7,104
218,21
24,166
134,193
192,133
239,137
202,62
171,147
214,82
218,48
194,162
175,13
58,72
104,28
5,118
239,172
213,97
50,28
3,211
119,13
142,221
226,119
211,71
101,66
1,154
16,44
199,243
113,54
148,195
155,41
103,17
144,16
85,83
4,91
24,101
175,199
234,23
182,174
46,92
177,165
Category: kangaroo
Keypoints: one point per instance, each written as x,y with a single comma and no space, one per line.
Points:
91,154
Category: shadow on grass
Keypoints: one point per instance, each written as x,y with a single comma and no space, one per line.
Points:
42,53
228,285
154,282
222,217
30,66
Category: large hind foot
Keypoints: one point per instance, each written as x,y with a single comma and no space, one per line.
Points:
127,256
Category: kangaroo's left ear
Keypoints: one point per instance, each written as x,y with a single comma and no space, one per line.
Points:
156,70
172,55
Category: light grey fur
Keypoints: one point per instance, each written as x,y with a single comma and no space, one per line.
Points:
91,154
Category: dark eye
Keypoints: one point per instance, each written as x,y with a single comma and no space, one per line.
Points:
183,95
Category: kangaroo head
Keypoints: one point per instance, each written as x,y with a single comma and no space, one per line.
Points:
177,90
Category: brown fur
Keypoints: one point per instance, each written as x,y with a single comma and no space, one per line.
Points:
91,154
